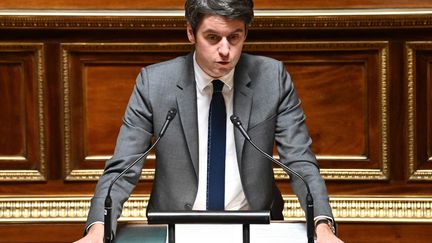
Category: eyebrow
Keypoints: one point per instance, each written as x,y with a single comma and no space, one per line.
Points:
239,30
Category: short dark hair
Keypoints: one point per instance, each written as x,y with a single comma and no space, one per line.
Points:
196,10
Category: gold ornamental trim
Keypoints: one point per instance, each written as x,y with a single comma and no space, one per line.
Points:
341,174
173,19
66,111
370,209
93,175
39,69
257,12
414,173
37,209
21,175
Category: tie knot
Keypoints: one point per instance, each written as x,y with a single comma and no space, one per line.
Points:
217,85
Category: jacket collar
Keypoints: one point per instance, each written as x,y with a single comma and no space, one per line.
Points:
187,106
243,95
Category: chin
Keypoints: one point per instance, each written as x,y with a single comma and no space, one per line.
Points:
224,71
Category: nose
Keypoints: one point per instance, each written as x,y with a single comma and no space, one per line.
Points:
224,47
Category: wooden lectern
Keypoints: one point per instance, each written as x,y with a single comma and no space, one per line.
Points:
246,226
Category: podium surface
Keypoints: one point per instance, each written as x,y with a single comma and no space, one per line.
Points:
275,232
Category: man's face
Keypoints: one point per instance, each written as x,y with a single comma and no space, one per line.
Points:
218,44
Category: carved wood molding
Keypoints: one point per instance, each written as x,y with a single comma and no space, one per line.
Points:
414,172
382,49
37,51
283,19
71,173
345,209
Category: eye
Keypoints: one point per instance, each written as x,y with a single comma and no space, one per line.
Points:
234,38
212,38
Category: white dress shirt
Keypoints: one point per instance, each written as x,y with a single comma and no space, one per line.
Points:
234,195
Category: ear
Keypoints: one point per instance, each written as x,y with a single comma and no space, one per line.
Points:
190,33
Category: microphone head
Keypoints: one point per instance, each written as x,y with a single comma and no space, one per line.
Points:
235,120
171,114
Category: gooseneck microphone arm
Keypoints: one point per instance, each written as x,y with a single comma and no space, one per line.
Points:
309,199
108,202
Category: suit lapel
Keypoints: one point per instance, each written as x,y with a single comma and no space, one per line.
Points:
187,106
242,106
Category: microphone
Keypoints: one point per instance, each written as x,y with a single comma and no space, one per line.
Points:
108,202
309,199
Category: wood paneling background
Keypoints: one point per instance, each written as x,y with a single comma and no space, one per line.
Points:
361,71
178,4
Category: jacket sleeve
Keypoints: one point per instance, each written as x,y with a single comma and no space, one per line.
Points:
294,146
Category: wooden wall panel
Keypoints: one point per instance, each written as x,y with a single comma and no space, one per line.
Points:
106,89
344,89
22,109
13,125
98,79
419,64
334,94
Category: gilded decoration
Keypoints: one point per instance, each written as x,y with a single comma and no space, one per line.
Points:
414,173
345,209
37,50
174,20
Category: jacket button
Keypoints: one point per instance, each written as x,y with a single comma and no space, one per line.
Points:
188,206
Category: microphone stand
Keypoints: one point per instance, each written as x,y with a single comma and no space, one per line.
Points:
108,201
309,199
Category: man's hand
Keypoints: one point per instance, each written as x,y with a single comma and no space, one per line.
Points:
95,234
325,235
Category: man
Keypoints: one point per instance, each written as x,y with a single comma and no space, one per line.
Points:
256,89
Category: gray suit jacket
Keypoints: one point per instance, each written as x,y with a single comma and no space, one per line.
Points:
266,103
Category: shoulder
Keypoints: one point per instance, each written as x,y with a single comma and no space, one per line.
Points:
262,68
168,72
168,66
258,61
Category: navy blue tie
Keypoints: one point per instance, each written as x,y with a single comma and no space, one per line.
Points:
216,149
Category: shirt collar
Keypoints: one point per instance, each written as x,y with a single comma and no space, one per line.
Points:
203,79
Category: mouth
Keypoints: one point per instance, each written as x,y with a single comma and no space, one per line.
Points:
223,63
